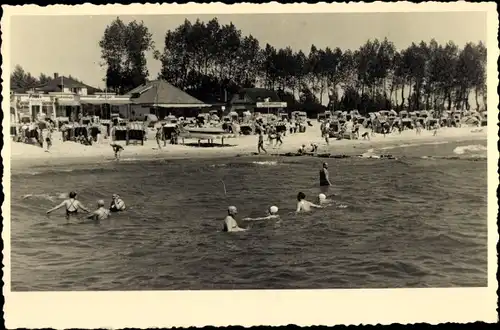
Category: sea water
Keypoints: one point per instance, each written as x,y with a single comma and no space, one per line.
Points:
418,221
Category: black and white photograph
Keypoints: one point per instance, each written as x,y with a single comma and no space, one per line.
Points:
226,152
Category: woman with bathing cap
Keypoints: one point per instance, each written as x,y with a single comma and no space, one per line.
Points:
101,213
230,224
272,213
117,204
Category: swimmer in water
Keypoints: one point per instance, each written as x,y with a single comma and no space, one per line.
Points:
322,200
117,204
101,213
303,205
72,205
272,213
230,224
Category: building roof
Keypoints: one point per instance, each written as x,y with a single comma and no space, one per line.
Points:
254,95
55,84
161,92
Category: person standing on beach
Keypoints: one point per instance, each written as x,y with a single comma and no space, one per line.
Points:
324,179
158,136
419,128
260,144
117,149
278,139
72,205
230,224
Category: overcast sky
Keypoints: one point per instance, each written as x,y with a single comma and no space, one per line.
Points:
69,44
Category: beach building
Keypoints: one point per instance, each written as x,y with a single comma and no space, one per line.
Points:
63,99
160,98
256,100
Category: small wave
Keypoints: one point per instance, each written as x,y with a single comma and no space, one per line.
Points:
218,165
469,148
369,154
40,196
271,162
128,159
406,145
48,197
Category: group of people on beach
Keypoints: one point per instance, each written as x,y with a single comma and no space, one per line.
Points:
72,205
303,205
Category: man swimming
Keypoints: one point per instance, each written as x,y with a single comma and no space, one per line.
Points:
272,213
72,205
303,205
230,224
101,213
324,179
117,204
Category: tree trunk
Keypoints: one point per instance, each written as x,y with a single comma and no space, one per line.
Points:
477,99
402,95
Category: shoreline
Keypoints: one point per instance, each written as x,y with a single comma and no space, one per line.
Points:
24,156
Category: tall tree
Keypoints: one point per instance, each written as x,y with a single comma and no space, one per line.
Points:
123,49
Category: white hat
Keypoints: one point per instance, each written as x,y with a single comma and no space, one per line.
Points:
232,209
273,209
322,197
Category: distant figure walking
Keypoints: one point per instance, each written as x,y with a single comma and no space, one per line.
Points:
117,149
158,136
278,139
419,128
324,179
260,144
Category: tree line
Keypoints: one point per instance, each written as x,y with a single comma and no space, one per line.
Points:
211,60
204,59
23,81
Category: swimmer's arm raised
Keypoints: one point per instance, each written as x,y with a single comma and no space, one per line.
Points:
57,207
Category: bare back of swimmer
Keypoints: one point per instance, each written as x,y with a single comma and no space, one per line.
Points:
72,206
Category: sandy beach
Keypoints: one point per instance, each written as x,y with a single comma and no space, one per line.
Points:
25,155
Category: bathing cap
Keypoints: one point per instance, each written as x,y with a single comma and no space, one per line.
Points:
322,196
100,202
273,209
232,209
